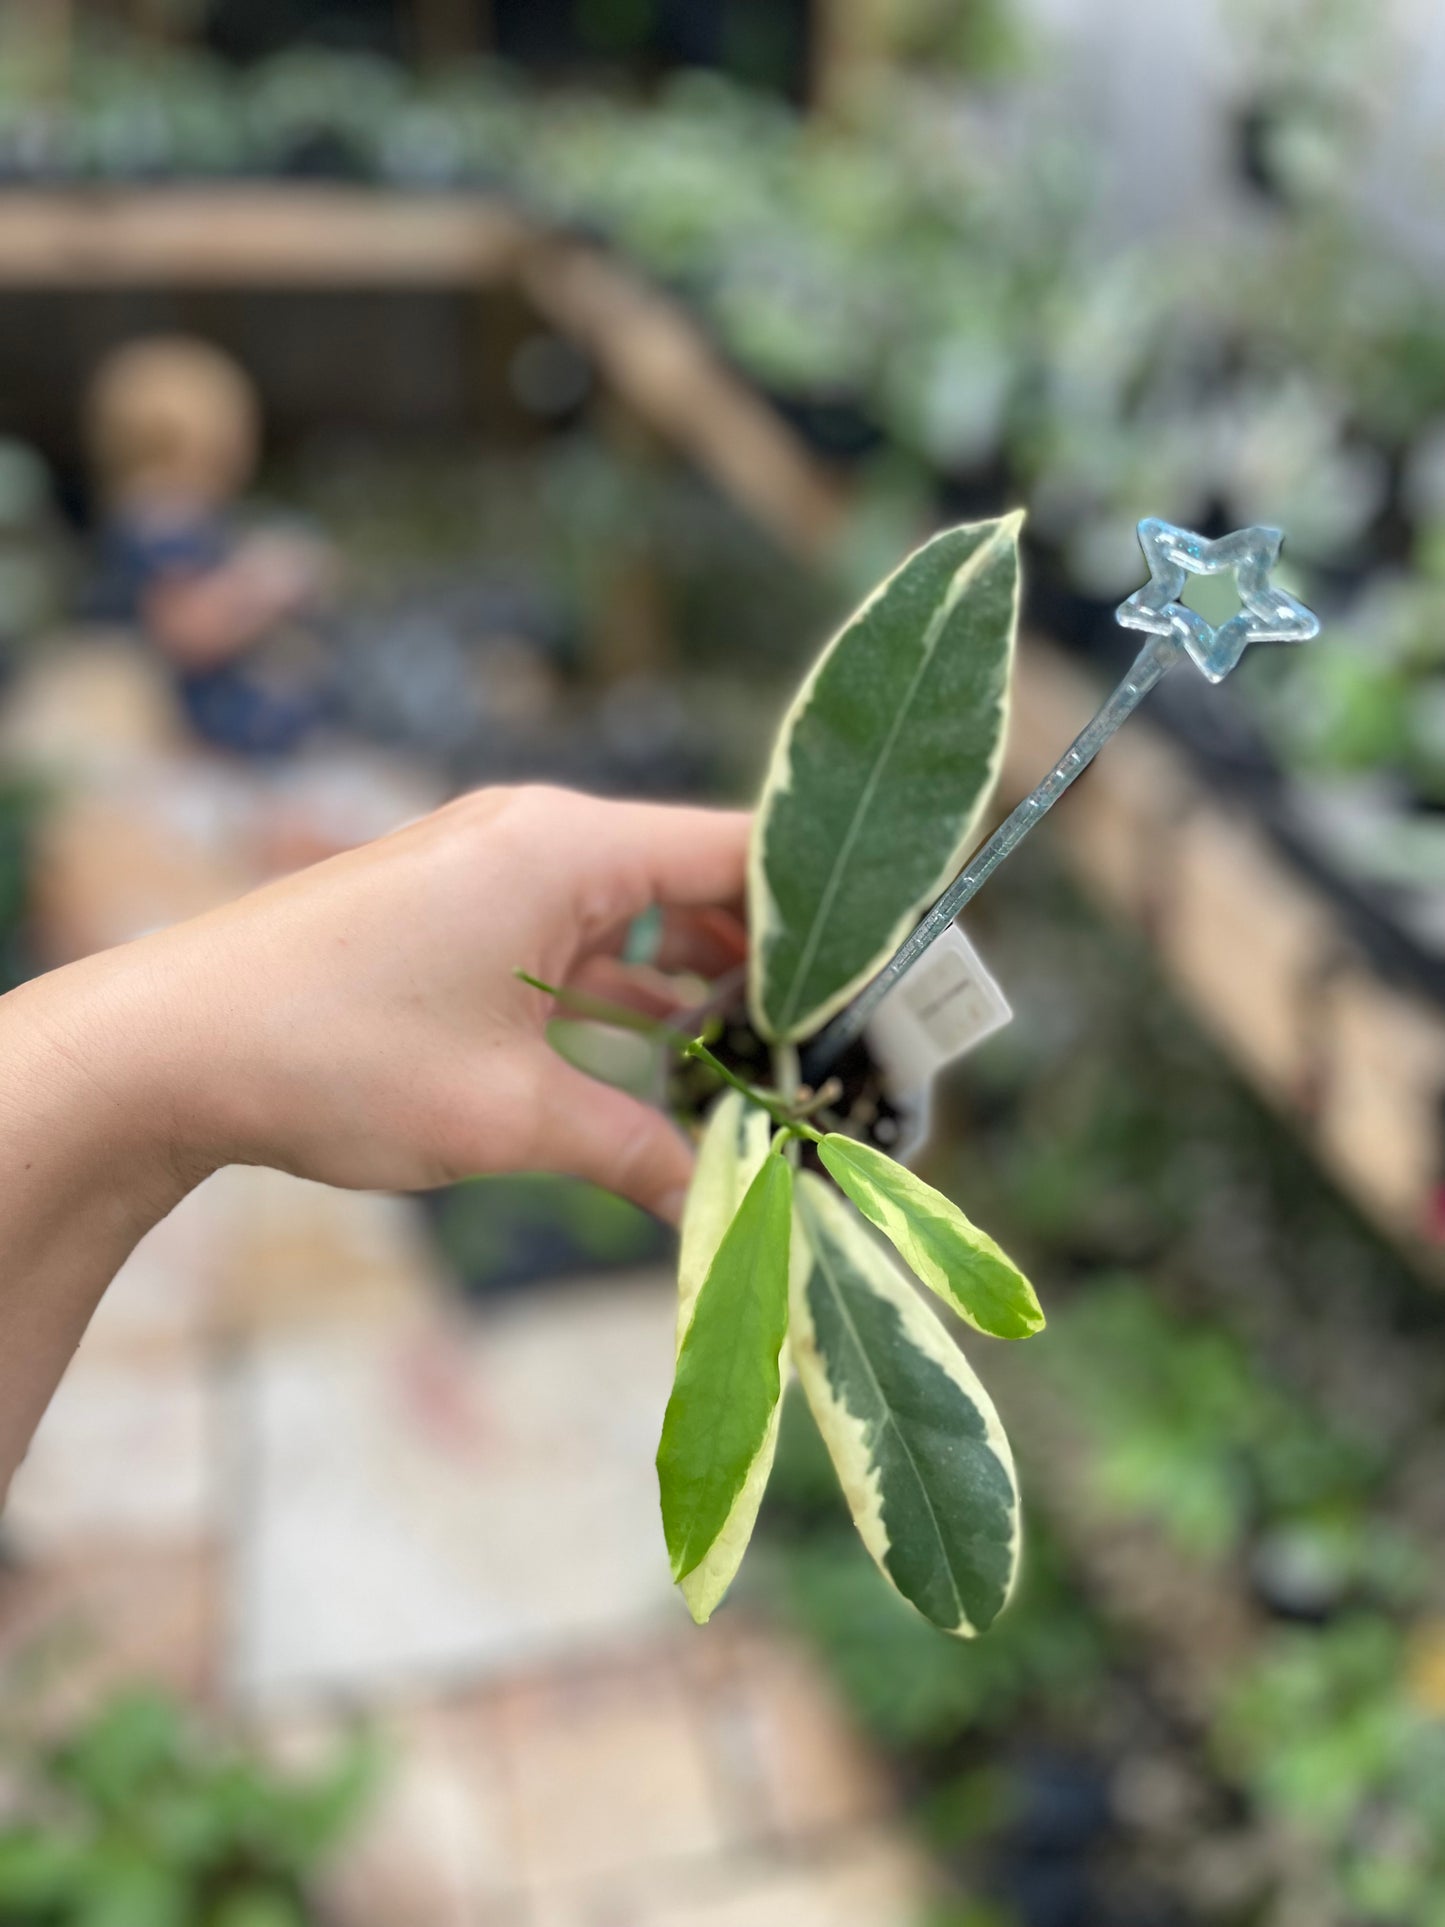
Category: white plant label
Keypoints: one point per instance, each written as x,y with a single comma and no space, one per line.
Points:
949,1002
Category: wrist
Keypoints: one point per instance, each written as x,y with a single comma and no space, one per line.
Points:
89,1164
95,1089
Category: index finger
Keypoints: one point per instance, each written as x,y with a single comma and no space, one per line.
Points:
686,856
625,857
601,863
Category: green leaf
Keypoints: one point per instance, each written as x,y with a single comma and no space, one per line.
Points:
721,1415
882,769
137,1740
934,1239
913,1436
732,1151
730,1156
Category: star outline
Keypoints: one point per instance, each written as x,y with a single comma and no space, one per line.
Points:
1266,614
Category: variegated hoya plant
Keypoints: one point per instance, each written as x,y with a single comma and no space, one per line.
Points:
882,771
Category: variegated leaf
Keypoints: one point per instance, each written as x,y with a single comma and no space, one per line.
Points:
733,1147
913,1436
734,1144
726,1385
882,769
935,1240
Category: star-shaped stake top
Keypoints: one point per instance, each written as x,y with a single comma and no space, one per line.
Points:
1267,614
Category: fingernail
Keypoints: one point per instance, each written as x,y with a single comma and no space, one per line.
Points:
670,1207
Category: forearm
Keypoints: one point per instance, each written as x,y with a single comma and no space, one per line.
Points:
88,1163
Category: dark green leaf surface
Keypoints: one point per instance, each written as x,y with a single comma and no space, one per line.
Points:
725,1390
934,1239
912,1434
882,769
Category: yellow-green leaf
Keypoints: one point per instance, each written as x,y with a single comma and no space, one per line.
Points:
734,1144
913,1436
725,1388
733,1147
935,1240
882,770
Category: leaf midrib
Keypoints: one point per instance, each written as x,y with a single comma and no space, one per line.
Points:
965,574
891,1421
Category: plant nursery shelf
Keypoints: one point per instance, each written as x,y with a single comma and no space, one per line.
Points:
295,236
1196,1624
1191,1625
1264,955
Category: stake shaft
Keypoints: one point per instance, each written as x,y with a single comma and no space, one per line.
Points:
1158,655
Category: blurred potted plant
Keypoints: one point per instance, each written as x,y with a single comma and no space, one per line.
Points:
136,1818
1337,1736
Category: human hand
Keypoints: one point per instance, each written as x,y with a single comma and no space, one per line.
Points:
360,1022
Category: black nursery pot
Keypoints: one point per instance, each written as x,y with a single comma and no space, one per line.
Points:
875,1105
837,427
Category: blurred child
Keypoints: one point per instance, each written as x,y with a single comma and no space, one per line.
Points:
172,427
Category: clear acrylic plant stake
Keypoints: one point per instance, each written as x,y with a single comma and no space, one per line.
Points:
1175,633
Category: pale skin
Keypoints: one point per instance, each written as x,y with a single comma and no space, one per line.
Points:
358,1023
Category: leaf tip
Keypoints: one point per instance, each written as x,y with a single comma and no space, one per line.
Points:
1033,1311
699,1609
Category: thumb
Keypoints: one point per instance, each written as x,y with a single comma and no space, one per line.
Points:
589,1130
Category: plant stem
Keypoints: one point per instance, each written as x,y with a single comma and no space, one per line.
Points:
777,1108
827,1093
720,997
600,1010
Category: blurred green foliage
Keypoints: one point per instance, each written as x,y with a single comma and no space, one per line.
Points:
1327,1731
922,271
1203,1285
496,1232
137,1819
578,515
1186,1430
20,803
908,1684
